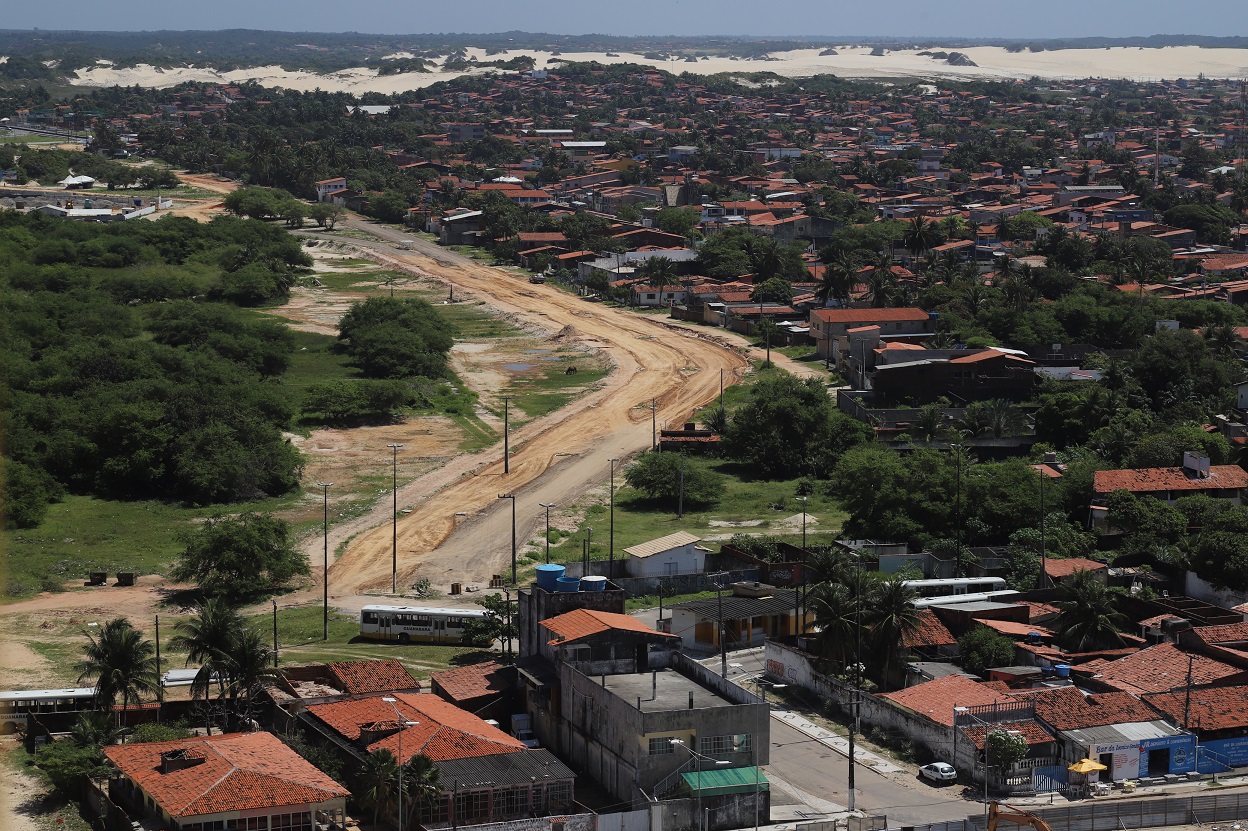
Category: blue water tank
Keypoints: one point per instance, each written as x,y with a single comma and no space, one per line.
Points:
1063,670
568,584
593,584
547,575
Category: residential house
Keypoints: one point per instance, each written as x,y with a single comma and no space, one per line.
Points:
602,641
830,327
235,780
977,375
677,553
1169,484
1219,718
328,190
487,689
745,616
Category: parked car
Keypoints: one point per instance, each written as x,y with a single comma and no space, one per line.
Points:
939,772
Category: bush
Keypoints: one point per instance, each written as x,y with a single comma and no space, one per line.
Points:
662,476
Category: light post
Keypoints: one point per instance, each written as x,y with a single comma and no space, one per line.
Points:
274,602
803,500
506,435
403,725
325,486
512,497
654,421
394,535
611,532
800,599
988,728
698,757
547,506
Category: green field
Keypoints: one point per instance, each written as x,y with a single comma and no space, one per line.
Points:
547,386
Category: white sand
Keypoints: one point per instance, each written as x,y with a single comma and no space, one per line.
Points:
851,62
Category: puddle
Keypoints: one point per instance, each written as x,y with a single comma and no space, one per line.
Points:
517,367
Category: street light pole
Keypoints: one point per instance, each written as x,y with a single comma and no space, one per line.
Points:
394,535
506,435
547,506
654,424
697,758
325,486
403,725
512,497
274,602
611,531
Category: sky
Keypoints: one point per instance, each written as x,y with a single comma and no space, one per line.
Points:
897,18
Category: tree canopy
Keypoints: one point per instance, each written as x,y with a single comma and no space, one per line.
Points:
239,556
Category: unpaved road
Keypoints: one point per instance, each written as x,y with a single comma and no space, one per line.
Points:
458,528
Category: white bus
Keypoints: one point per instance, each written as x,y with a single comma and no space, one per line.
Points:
1003,596
955,585
421,624
16,706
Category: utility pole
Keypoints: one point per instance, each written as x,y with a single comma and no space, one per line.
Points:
680,498
506,435
160,687
547,506
274,602
611,528
394,537
512,497
654,424
325,486
853,695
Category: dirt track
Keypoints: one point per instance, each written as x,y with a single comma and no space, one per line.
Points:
458,528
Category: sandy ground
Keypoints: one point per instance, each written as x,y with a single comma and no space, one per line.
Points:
850,62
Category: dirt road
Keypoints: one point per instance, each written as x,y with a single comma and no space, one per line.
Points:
458,528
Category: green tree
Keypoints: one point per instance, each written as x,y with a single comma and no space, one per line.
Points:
1005,749
155,732
378,778
981,648
775,290
682,221
390,206
326,214
121,662
422,785
921,235
892,617
789,428
396,338
660,476
497,626
68,764
238,556
1089,618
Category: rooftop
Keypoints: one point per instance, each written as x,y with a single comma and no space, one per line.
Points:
1068,708
581,623
1161,668
357,677
661,544
475,681
1057,569
936,699
779,601
238,772
1211,708
929,632
1169,479
671,691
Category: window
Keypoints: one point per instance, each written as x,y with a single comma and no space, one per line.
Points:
735,743
370,617
661,746
454,623
291,822
424,622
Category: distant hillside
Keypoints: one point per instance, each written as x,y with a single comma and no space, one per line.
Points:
40,55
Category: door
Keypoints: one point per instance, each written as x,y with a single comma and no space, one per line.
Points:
1159,762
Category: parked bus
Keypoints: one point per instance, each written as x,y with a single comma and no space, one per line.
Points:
955,586
422,624
16,706
1004,596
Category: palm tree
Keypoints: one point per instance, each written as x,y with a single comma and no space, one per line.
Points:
921,235
422,783
659,271
836,617
379,774
96,730
892,618
249,667
207,639
1001,418
882,282
929,423
122,662
839,276
1088,619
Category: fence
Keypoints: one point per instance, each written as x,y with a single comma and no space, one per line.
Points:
1119,814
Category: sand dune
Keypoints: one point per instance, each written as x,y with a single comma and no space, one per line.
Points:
851,62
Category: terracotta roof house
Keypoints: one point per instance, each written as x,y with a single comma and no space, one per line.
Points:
1213,712
612,642
1058,570
930,639
1195,476
486,689
238,779
1159,668
1068,708
935,700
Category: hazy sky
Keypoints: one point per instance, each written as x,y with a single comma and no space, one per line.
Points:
969,18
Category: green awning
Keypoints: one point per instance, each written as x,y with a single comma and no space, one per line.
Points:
720,781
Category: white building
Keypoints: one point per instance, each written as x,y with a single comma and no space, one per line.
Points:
677,553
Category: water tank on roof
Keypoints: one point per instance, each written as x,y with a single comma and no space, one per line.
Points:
568,584
548,575
1063,670
593,584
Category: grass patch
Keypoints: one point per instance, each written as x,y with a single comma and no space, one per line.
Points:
82,533
745,500
651,601
316,360
300,633
537,393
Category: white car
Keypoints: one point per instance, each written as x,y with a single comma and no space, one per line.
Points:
939,772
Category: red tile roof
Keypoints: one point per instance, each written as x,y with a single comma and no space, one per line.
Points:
1066,708
1058,569
1016,630
358,677
1230,633
1168,479
1211,708
582,623
444,731
936,699
1160,668
475,681
1030,730
866,316
1039,610
239,772
930,631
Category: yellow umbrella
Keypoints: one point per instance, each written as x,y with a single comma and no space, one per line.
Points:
1086,766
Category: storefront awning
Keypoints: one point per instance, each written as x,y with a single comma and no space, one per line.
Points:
720,781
